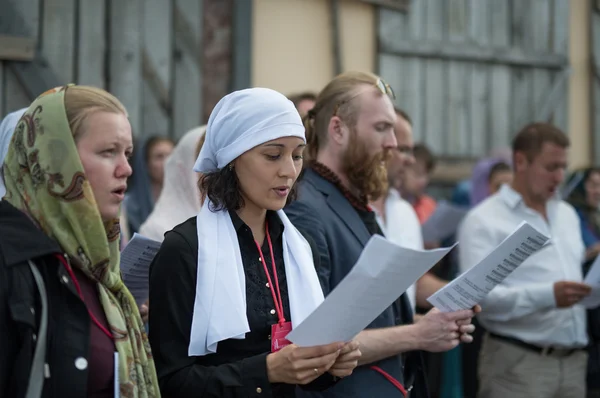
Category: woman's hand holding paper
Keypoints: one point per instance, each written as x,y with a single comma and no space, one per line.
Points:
301,365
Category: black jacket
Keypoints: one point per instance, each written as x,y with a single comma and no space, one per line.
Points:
68,319
238,369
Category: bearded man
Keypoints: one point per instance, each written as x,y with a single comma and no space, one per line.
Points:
350,133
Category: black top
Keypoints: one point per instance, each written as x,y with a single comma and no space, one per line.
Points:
238,368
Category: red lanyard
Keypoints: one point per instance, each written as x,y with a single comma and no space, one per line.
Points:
276,297
78,288
391,379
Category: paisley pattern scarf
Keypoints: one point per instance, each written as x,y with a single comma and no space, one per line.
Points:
46,180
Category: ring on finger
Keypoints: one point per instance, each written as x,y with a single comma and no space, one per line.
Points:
316,371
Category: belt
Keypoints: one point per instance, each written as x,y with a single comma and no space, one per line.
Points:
545,351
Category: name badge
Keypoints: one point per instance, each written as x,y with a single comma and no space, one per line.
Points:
278,334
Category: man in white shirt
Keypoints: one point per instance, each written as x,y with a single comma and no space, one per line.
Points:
397,217
537,332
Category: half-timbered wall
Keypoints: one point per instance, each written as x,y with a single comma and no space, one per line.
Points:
149,53
472,72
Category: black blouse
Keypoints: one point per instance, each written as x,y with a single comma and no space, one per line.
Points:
238,368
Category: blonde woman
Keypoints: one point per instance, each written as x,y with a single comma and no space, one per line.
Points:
68,325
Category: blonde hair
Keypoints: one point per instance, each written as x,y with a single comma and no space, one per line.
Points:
81,101
337,93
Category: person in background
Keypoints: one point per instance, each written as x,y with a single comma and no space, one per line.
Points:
461,195
303,102
147,180
180,197
488,176
226,284
7,127
417,180
401,226
68,325
461,192
397,217
536,332
350,133
585,198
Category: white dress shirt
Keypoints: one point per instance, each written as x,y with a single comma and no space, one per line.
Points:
402,227
523,306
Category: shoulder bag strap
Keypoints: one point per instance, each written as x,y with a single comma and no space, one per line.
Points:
36,377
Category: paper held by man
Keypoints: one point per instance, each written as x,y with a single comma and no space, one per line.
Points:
593,279
471,287
382,273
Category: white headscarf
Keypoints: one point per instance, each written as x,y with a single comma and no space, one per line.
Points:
241,121
179,198
7,128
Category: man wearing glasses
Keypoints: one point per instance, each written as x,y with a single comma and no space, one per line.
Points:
396,215
350,135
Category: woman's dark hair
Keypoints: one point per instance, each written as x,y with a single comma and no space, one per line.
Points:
500,167
577,182
222,187
152,142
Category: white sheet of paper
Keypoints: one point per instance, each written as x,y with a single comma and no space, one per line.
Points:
471,287
382,273
593,279
443,222
135,265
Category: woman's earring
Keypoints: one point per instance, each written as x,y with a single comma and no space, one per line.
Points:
230,166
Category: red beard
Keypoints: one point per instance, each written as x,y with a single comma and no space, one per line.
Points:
366,173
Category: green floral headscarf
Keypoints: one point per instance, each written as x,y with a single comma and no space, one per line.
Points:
45,178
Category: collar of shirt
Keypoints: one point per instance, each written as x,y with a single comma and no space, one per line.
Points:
275,223
394,194
514,200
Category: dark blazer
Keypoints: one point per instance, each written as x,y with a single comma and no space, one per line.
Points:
340,235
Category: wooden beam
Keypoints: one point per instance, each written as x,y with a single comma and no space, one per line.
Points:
400,5
551,99
452,170
35,76
471,53
186,87
15,48
336,47
217,60
155,83
242,45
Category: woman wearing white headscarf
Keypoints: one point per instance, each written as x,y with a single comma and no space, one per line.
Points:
180,197
7,128
228,285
